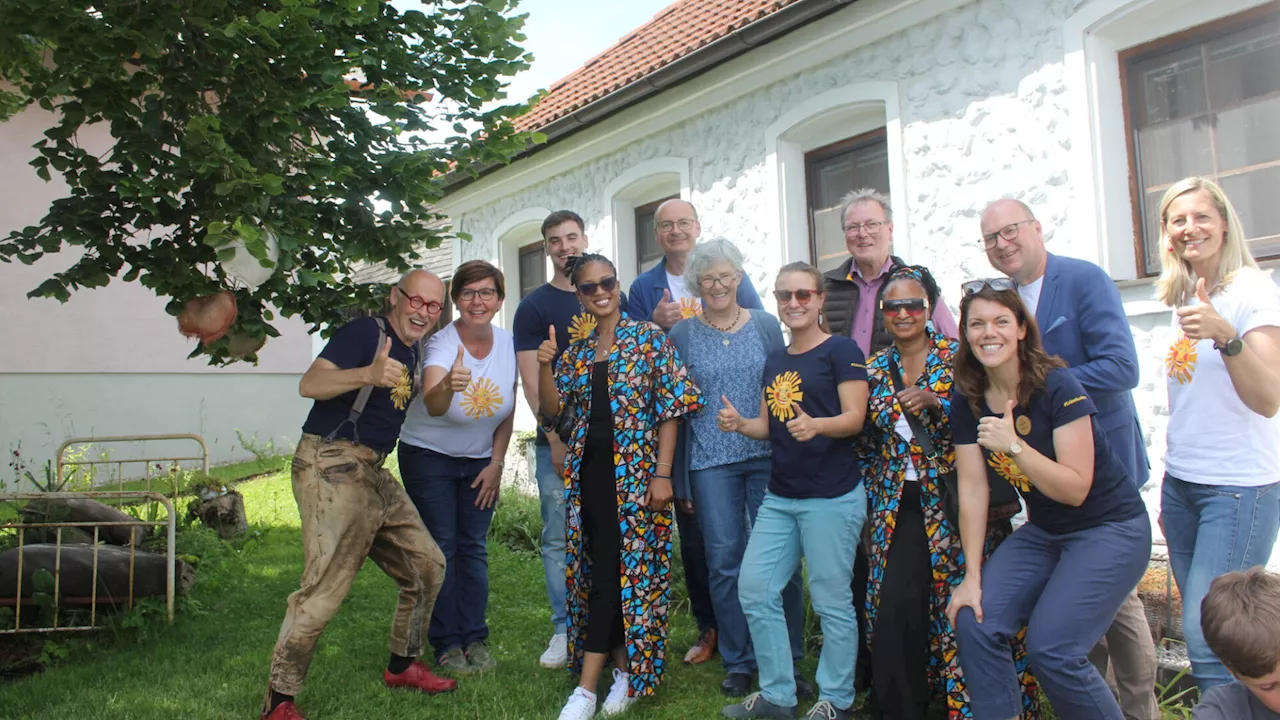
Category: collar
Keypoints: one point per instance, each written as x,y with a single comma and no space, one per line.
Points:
854,273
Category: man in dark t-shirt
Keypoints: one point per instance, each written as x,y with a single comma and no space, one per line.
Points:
351,507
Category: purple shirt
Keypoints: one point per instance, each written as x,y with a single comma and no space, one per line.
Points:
864,316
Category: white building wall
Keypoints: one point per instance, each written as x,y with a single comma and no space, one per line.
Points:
995,98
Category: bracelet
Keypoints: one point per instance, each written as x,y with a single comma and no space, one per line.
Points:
660,464
662,477
499,463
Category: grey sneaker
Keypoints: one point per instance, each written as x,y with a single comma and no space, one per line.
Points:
453,661
479,658
755,706
824,710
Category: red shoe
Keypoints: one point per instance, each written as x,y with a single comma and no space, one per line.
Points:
418,677
284,711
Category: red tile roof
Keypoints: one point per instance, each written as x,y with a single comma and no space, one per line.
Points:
678,30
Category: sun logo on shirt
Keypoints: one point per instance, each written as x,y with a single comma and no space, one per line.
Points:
784,395
1181,360
481,399
1007,468
690,307
403,390
581,327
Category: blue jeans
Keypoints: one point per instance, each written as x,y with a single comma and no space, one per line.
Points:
824,532
440,487
1066,589
551,498
726,499
1212,530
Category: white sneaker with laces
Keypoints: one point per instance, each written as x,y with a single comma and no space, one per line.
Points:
580,706
618,700
557,652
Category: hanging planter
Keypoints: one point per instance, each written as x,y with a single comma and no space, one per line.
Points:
241,346
252,259
209,317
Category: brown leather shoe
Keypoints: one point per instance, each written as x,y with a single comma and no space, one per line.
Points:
704,650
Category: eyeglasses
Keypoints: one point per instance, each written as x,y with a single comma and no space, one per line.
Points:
871,227
467,294
1008,232
913,306
417,303
973,287
588,289
723,281
682,223
802,296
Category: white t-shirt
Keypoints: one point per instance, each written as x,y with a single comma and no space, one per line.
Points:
1213,438
904,431
475,413
1030,294
689,304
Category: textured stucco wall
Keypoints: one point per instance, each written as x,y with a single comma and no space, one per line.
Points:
984,113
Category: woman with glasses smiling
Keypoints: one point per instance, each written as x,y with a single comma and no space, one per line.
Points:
723,478
623,388
451,448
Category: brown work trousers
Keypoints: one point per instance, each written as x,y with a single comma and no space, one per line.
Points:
351,509
1129,652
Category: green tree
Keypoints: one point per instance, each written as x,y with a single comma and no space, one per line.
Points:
233,121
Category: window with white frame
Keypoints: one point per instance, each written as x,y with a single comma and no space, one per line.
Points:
533,268
648,251
831,172
1207,102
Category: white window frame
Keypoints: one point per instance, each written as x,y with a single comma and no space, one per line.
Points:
640,184
518,230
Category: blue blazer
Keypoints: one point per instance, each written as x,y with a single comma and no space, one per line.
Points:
646,292
770,334
1082,321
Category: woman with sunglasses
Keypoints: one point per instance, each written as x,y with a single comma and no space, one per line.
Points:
451,448
623,386
1019,416
913,550
814,402
723,477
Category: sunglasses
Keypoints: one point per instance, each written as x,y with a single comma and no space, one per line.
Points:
973,287
913,306
802,296
587,289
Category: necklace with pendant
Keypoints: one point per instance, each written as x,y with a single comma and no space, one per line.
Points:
724,338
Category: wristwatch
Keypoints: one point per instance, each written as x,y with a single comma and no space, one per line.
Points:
1233,346
1015,447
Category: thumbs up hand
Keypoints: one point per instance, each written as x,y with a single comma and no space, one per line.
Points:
803,427
385,371
729,419
459,376
667,313
549,348
997,434
1202,321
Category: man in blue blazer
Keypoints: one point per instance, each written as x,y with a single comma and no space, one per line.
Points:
1082,320
657,294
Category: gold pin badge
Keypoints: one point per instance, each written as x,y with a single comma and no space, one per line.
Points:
1023,424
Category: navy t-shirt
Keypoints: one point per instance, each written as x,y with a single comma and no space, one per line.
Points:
546,306
1113,497
824,467
355,345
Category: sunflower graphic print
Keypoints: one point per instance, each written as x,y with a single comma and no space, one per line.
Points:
481,399
581,327
403,391
689,307
1007,468
1181,360
783,395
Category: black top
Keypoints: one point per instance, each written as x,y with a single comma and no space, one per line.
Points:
843,298
1112,497
601,427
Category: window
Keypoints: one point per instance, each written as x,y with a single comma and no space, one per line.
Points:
831,172
533,268
648,251
1207,102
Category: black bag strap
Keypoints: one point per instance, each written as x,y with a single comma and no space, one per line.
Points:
362,398
917,428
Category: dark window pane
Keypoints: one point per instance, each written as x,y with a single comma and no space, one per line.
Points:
1170,86
533,269
832,175
648,251
1245,64
1171,151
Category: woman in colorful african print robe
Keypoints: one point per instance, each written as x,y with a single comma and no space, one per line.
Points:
624,387
914,552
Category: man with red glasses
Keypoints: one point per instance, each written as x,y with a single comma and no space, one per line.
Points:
351,507
1082,320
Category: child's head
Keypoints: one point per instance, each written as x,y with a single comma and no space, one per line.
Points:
1240,617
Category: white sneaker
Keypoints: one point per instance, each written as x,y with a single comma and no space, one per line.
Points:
618,700
557,653
580,706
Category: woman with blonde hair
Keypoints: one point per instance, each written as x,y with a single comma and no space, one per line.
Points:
1220,502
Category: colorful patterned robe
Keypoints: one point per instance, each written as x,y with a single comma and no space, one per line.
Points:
883,453
647,385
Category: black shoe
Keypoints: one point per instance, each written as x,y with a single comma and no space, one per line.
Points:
804,688
736,684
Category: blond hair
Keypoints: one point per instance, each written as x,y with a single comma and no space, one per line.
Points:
1177,282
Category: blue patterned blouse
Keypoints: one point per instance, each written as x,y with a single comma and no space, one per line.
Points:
731,370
